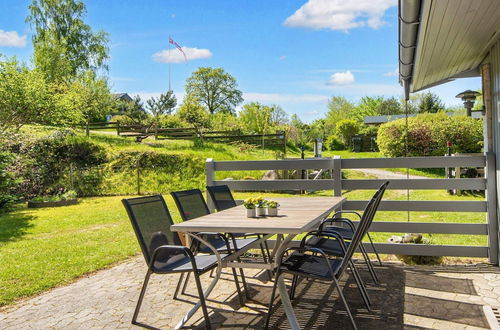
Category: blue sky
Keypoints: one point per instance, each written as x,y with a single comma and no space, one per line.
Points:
293,53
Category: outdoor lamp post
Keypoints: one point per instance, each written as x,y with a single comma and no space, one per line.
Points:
469,97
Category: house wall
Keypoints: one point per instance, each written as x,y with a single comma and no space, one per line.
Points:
493,60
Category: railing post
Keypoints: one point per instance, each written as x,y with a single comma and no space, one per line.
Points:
337,176
210,178
491,199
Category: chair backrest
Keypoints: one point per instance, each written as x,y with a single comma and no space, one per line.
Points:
190,203
151,221
364,224
221,196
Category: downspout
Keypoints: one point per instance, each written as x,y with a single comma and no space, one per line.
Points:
408,23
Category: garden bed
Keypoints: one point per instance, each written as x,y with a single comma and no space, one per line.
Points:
39,204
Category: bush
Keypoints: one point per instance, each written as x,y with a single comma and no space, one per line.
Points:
172,121
56,161
7,182
333,143
428,135
346,129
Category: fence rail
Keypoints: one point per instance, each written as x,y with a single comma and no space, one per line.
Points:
337,184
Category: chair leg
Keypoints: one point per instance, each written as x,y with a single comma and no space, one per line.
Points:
293,287
178,285
270,309
243,280
202,301
185,284
374,250
268,252
237,283
361,286
345,303
368,263
265,261
141,297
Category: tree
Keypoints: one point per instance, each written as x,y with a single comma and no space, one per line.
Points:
132,109
256,118
87,96
390,106
163,105
64,45
25,97
278,116
346,129
215,89
192,112
429,102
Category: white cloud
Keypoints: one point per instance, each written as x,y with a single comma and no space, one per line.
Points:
283,98
175,56
341,78
282,57
12,39
313,112
340,14
394,73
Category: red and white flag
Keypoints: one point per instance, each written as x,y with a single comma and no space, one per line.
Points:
171,41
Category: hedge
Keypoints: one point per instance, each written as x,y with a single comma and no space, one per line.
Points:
428,135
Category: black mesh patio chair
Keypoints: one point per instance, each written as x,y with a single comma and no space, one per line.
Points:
162,248
191,205
333,247
313,263
223,200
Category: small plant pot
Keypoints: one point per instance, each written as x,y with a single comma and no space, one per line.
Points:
261,211
272,211
250,213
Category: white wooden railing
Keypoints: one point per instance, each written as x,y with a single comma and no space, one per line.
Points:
337,184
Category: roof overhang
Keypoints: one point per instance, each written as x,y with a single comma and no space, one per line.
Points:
441,40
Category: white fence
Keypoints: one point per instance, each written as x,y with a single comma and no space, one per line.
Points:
337,184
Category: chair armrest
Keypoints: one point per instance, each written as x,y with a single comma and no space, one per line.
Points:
346,212
318,233
308,249
341,220
173,248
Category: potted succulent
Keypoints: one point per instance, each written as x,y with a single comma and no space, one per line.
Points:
272,208
261,205
249,204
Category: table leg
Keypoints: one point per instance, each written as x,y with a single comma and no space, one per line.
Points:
210,287
281,245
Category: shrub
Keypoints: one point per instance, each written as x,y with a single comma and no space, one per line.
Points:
7,182
346,129
428,135
333,143
172,121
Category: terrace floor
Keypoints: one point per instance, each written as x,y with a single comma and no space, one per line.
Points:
440,297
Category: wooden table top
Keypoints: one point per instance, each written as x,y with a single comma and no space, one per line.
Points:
296,215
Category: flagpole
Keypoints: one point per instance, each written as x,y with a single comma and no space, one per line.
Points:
169,64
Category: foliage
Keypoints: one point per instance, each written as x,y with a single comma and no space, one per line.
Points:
257,118
25,97
61,195
172,121
273,204
163,105
64,46
428,135
346,129
192,112
7,182
56,161
429,103
88,98
215,89
223,121
339,108
333,143
133,110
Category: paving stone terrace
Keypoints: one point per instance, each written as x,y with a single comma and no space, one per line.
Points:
423,297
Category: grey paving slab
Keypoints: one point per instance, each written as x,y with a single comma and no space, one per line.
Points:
439,297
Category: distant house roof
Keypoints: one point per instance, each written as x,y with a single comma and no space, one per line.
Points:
378,120
123,97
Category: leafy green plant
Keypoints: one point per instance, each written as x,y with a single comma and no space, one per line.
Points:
346,129
273,204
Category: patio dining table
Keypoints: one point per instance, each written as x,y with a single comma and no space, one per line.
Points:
296,216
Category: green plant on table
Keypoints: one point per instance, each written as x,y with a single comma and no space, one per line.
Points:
273,204
249,203
260,202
